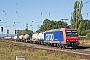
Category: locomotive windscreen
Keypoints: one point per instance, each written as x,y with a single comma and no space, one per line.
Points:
71,33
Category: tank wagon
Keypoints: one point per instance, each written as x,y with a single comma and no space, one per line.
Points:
63,38
14,37
21,37
34,37
24,38
38,38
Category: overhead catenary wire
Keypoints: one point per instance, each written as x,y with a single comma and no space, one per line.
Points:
24,6
87,13
86,2
38,10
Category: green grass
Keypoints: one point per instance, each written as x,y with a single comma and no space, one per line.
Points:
9,52
84,42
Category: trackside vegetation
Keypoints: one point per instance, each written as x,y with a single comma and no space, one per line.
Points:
9,52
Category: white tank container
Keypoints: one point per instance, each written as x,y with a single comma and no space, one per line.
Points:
26,36
7,37
15,37
35,36
40,36
21,37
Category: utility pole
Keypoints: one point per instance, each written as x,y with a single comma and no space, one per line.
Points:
7,30
15,25
87,12
26,26
1,30
32,25
16,31
0,24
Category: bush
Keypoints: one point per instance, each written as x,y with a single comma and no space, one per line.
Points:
88,35
82,37
84,32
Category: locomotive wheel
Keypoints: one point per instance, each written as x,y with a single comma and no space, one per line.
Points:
65,46
59,45
52,44
25,41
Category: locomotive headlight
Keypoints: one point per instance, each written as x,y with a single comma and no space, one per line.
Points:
67,40
76,40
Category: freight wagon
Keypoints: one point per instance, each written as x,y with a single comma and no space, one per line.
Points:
24,38
38,38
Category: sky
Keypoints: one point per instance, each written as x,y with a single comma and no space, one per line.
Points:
26,11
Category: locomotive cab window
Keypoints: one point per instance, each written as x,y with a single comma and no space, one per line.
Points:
71,33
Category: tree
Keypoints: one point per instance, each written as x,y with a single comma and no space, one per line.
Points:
21,32
76,16
84,27
48,24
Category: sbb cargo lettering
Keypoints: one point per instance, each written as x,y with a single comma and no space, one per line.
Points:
50,37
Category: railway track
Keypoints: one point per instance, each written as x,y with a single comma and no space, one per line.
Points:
82,51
